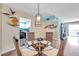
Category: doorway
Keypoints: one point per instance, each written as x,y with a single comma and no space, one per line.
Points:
73,37
72,46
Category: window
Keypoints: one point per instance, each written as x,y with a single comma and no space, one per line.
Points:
25,24
73,29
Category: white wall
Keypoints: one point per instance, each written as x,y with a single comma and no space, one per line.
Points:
8,31
41,31
0,30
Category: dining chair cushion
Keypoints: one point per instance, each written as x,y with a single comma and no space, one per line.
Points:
27,52
30,42
52,52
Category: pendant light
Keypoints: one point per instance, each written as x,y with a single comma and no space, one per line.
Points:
38,18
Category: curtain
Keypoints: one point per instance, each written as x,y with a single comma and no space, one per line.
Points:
63,31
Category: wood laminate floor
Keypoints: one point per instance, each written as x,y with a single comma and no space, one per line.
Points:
72,47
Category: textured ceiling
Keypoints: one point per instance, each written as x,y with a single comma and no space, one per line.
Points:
63,10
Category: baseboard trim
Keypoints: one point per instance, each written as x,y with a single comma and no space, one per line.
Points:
7,52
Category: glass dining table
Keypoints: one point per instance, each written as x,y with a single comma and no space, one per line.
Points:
41,47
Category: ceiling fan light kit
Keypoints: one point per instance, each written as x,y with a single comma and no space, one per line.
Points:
13,21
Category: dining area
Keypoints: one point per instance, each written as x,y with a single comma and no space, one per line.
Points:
39,46
31,35
39,38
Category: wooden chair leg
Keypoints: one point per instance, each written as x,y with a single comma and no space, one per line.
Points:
17,47
62,47
18,50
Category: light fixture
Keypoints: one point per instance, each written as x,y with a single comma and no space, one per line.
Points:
38,18
14,21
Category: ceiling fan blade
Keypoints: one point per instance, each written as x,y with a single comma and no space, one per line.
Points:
12,12
6,13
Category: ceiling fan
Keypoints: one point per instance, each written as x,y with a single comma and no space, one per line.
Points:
13,21
12,12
